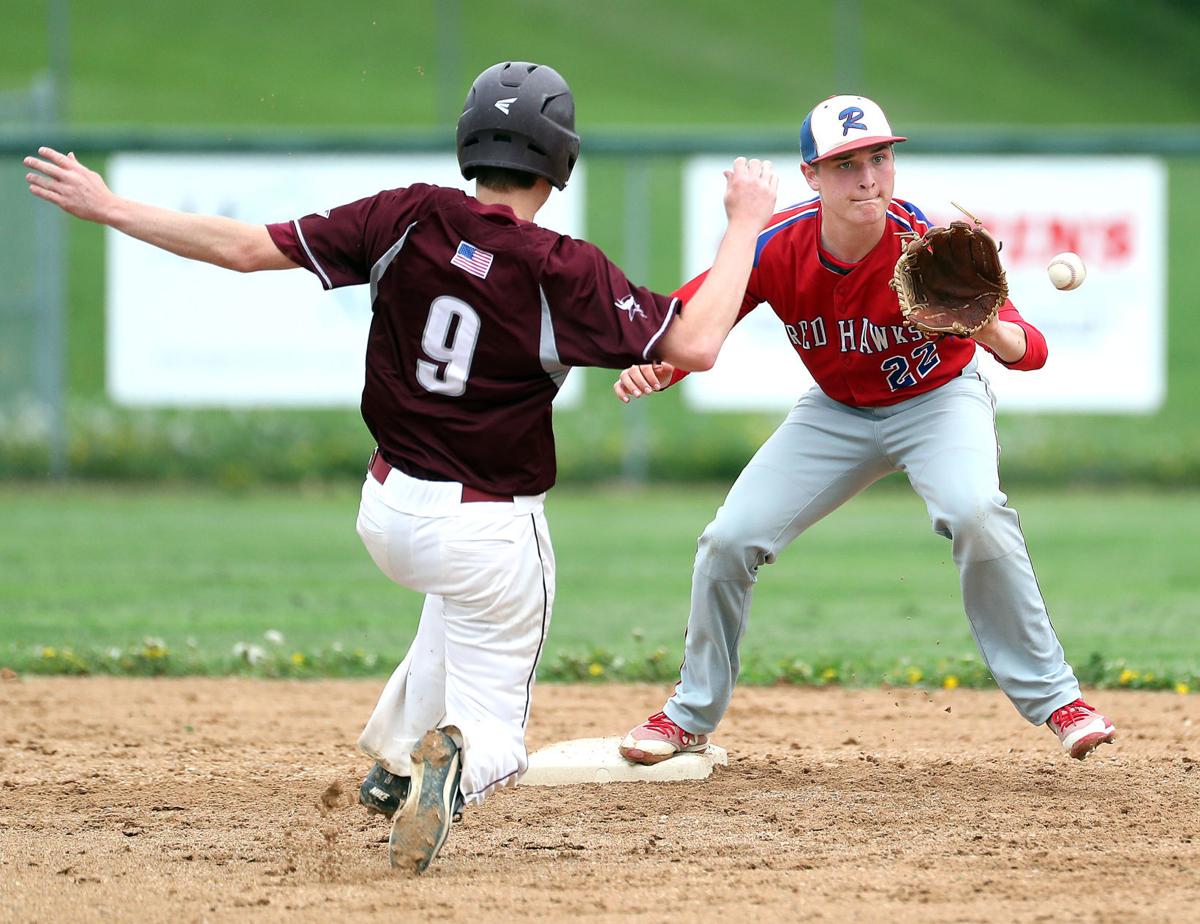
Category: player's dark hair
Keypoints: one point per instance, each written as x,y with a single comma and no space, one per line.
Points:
504,179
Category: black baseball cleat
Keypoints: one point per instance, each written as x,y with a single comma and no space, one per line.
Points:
382,792
420,827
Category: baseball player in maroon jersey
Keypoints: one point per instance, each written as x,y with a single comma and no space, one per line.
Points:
887,398
478,314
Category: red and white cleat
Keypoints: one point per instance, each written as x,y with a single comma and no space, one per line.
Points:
1081,729
658,738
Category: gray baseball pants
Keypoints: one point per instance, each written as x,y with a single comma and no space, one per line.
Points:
822,455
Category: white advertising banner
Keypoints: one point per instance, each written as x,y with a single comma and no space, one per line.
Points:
182,333
1107,338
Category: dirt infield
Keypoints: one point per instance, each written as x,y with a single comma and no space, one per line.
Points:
201,800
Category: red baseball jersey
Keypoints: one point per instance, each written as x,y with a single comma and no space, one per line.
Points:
477,316
843,318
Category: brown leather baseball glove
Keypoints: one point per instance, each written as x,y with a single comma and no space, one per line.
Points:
949,280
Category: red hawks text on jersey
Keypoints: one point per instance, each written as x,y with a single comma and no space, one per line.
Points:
843,318
477,316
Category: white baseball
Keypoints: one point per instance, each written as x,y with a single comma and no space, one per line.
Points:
1066,271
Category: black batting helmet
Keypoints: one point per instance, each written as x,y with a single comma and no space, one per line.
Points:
520,116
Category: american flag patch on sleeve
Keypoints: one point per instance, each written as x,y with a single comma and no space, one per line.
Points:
470,258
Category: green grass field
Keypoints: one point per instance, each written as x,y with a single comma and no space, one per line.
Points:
869,592
226,63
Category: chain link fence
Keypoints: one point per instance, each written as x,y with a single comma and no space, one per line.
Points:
31,295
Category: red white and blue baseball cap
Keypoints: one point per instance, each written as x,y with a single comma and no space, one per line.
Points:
842,124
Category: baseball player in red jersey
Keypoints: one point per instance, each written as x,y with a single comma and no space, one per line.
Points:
887,398
477,316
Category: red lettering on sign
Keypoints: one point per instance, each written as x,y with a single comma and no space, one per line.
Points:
1029,240
1065,234
1016,239
1118,241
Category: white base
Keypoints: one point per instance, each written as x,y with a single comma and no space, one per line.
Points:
596,760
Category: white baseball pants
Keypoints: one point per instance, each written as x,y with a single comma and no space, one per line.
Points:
487,570
822,455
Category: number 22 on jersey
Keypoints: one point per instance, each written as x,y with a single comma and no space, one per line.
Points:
901,373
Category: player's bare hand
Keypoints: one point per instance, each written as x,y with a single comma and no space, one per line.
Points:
642,380
750,189
67,183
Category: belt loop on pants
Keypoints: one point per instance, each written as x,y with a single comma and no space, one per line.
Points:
379,469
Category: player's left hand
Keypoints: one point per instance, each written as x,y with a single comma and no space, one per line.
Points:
1004,338
642,380
987,333
950,280
64,181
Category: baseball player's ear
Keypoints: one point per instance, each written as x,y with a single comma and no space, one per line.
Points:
810,177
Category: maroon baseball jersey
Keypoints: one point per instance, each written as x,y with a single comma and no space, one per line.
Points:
477,316
843,318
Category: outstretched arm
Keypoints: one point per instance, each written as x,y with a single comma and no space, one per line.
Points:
694,339
226,242
1005,339
1013,340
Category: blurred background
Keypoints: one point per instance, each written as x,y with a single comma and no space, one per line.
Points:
150,454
